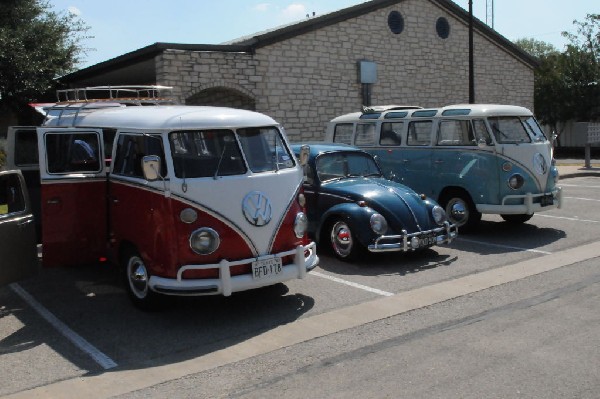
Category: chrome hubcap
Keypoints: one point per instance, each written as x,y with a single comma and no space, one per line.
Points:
457,211
341,239
138,277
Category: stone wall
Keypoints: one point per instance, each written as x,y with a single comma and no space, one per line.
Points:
306,80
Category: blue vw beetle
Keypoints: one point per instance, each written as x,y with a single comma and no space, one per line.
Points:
351,206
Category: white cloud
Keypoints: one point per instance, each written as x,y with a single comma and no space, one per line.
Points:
262,7
74,10
294,11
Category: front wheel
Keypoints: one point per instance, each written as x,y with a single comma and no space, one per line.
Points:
343,241
461,210
137,281
516,219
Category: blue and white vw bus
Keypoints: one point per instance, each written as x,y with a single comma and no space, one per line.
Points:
472,158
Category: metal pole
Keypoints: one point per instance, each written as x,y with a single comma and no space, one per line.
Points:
471,68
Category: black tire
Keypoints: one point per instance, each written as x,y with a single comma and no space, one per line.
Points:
343,241
137,281
516,219
461,210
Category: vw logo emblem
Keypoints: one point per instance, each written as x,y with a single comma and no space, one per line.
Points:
257,208
539,164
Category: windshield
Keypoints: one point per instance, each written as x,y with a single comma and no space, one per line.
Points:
339,165
216,152
264,149
509,130
532,126
206,153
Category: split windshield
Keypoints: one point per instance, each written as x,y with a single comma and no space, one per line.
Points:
511,129
221,152
339,165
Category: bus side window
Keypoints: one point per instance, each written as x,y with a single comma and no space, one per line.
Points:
343,133
455,132
131,149
419,133
365,134
26,148
481,131
68,153
390,133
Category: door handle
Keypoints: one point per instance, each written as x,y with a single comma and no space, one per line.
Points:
438,161
53,201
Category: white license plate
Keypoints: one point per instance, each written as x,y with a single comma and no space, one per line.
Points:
266,267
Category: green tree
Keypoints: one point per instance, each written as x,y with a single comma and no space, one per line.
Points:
550,89
582,68
37,45
537,48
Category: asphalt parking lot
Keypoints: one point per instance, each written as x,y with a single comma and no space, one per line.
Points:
71,331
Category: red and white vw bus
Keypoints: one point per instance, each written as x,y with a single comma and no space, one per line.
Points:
191,200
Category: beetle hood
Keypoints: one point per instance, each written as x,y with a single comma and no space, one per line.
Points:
401,206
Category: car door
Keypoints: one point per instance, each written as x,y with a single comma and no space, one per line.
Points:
73,195
18,247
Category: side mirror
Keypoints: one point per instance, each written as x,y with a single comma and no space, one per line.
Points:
151,167
481,143
304,152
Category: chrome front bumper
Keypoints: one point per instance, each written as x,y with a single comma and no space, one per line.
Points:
528,207
226,284
404,242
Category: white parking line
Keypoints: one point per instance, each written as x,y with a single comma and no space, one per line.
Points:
583,199
351,284
566,218
104,361
537,251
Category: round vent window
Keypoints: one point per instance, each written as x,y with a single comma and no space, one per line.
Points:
442,27
396,22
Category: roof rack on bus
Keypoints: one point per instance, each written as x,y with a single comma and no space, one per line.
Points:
382,108
132,95
71,102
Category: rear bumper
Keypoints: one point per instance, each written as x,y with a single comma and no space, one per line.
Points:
404,242
226,284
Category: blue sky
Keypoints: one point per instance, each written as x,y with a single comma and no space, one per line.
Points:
120,26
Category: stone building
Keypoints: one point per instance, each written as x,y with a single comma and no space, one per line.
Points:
414,52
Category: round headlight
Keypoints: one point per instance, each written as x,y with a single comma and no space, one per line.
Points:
204,241
378,224
300,224
516,181
439,215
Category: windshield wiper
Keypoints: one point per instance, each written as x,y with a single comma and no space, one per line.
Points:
220,160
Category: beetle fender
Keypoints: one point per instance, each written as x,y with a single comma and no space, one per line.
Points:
356,216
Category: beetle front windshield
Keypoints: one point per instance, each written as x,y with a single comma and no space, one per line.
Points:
337,165
509,130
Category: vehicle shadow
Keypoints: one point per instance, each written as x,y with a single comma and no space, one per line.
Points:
496,237
91,301
390,263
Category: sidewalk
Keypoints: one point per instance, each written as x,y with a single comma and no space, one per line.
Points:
576,168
